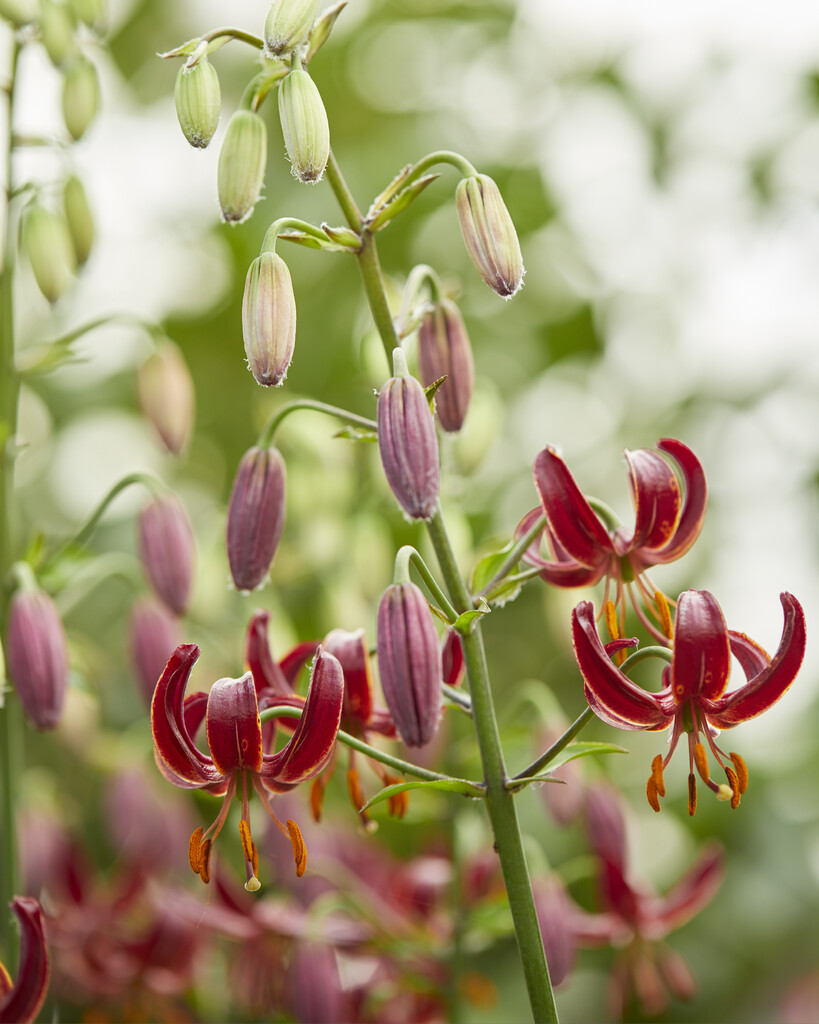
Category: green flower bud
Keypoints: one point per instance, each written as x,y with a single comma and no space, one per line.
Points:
79,218
489,234
304,126
57,31
92,12
242,161
269,319
19,12
47,241
198,98
81,96
288,24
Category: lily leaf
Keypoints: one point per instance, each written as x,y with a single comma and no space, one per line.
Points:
356,434
445,785
400,202
465,622
485,570
569,753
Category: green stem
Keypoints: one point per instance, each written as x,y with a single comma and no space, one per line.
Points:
266,437
644,654
408,554
343,194
441,156
218,34
549,755
290,224
514,556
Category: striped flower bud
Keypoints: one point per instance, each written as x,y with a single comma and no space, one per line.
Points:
408,443
242,161
409,663
269,319
489,234
37,655
304,126
288,24
444,351
19,12
154,638
57,31
255,517
92,12
198,99
47,241
79,219
167,550
81,96
166,395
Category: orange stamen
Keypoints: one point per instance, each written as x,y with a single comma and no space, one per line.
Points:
741,770
247,840
204,865
692,793
398,803
357,798
651,794
702,762
657,774
733,782
195,850
665,615
299,849
317,797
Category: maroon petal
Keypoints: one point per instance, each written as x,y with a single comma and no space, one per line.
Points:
701,663
560,573
692,515
605,825
267,675
453,666
553,909
233,725
748,653
694,891
354,657
655,492
21,1003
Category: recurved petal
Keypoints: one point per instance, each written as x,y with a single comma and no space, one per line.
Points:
768,685
687,898
701,663
568,573
21,1003
233,725
267,675
695,499
655,491
353,654
612,695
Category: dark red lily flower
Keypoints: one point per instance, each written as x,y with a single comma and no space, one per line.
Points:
234,734
20,1000
693,697
586,549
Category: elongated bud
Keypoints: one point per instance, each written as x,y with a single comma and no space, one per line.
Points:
79,218
489,234
198,99
155,635
19,12
409,663
269,319
57,31
444,351
92,12
47,241
167,550
81,96
37,656
255,516
166,395
304,126
408,443
242,161
288,24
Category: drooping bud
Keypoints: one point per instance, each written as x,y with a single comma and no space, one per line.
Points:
79,219
255,517
242,161
288,24
37,655
92,12
489,234
57,31
304,126
19,12
167,396
408,443
47,241
444,350
269,319
198,99
81,96
155,635
167,550
409,663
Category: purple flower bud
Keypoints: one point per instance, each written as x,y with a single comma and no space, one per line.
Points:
269,319
155,635
255,516
167,550
409,663
37,655
408,443
489,234
444,351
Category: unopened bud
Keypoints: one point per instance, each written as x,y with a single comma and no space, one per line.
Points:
242,161
47,241
304,126
409,663
255,517
37,656
19,12
489,234
92,12
167,550
166,395
81,96
408,444
79,218
269,319
288,24
154,638
57,31
444,351
198,99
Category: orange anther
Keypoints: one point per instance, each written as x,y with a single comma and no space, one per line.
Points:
741,770
299,849
666,624
610,615
195,850
692,793
657,774
651,794
204,864
317,797
733,782
247,840
357,798
701,762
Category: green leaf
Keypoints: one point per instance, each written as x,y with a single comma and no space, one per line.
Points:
569,753
445,785
382,217
357,434
465,622
485,570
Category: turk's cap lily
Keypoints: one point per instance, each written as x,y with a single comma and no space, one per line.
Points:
360,712
20,1000
274,679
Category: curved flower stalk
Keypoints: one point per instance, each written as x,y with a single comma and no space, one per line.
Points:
20,1000
693,698
236,755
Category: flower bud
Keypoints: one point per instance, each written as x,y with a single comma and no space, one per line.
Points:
167,550
269,319
489,234
155,635
57,31
444,350
304,126
242,160
19,12
409,663
37,655
198,99
166,395
92,12
47,241
81,96
288,24
255,517
79,219
408,443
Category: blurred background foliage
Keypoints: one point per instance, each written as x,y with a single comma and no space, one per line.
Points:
660,165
